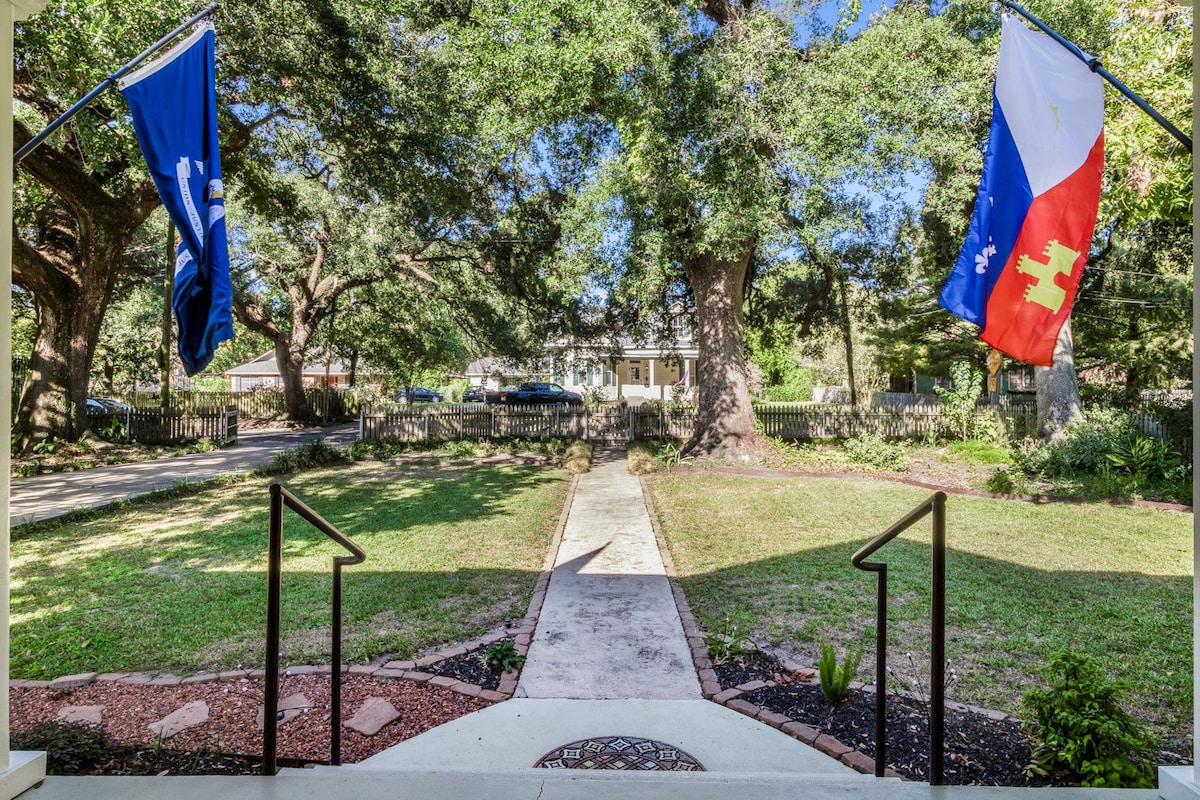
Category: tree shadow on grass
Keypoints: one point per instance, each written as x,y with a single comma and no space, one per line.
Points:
1004,620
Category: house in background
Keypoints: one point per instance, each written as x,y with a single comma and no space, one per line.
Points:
263,373
630,371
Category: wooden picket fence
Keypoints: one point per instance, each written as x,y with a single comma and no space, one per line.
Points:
258,404
154,427
891,421
448,422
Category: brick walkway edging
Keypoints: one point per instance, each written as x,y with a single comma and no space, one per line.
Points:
520,631
732,698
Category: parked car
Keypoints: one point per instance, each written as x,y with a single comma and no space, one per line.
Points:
474,394
419,395
538,393
107,405
493,395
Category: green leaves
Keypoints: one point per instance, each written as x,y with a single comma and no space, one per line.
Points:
1079,724
835,680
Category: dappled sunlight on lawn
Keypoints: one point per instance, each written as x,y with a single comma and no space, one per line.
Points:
172,583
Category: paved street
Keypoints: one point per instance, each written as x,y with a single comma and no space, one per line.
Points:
47,496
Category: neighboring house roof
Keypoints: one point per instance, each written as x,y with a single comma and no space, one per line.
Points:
626,348
265,365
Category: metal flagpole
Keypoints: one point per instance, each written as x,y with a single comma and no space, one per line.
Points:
29,146
1094,65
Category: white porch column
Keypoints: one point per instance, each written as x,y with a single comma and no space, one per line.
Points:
653,384
18,771
1183,783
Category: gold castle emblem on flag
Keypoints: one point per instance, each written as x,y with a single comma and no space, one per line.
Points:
1060,259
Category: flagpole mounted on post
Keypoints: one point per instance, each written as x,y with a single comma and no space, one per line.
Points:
33,143
1094,65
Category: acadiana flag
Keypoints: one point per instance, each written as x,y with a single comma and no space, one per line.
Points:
174,106
1018,271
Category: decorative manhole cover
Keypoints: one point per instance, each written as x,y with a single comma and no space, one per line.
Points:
620,752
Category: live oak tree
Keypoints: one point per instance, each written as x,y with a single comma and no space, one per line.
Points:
296,261
81,197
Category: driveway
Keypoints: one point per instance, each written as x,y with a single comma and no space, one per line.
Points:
47,496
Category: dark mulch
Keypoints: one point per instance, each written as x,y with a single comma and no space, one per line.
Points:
129,761
749,667
979,750
471,667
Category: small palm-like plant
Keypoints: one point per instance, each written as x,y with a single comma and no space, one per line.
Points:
835,680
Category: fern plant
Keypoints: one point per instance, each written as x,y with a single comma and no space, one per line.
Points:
835,680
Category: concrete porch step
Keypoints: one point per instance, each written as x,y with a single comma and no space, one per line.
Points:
360,784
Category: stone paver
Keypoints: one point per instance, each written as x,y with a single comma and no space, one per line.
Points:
192,714
374,714
81,715
291,707
73,681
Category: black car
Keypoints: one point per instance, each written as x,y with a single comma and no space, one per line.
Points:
539,393
107,405
474,394
419,395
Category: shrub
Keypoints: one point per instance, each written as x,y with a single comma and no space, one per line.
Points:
1003,481
70,748
959,401
1084,447
798,388
835,680
1078,724
873,450
988,427
1143,455
503,655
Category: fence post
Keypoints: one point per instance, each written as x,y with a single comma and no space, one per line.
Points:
461,422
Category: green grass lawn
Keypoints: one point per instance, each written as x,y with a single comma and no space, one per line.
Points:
180,584
772,556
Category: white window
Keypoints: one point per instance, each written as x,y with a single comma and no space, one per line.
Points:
681,326
608,376
635,373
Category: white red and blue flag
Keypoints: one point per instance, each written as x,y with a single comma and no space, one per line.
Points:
1035,212
173,102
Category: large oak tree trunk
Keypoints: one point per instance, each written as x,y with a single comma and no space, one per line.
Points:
1058,389
725,418
53,400
71,290
291,372
70,268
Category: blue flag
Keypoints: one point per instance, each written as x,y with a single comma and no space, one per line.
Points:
173,102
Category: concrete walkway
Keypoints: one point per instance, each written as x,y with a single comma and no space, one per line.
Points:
608,658
47,496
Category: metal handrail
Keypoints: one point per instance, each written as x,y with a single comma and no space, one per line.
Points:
937,630
279,498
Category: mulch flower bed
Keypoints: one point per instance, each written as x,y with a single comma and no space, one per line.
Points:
980,748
